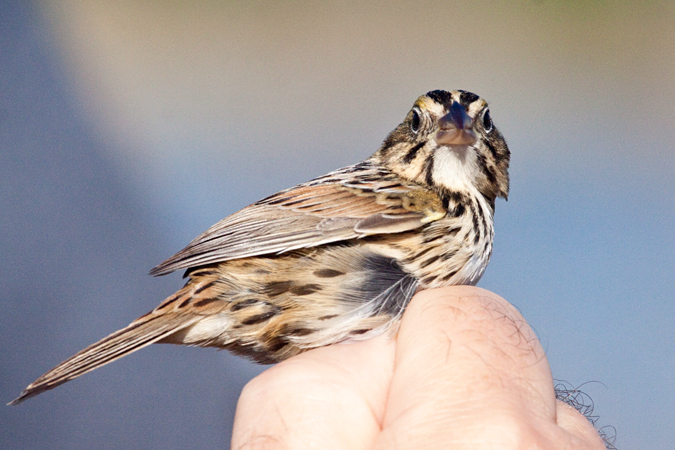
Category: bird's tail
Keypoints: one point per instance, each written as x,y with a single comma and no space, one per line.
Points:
140,333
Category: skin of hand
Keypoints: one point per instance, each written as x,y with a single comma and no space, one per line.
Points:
464,371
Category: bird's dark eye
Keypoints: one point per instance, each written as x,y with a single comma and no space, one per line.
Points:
415,122
487,121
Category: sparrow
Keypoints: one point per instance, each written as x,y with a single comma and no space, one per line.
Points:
337,258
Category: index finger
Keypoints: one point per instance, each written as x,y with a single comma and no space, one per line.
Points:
470,373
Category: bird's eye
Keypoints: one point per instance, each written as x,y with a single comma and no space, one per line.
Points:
487,121
415,122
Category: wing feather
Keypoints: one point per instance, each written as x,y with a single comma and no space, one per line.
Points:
349,203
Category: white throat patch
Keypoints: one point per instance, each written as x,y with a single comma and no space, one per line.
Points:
455,168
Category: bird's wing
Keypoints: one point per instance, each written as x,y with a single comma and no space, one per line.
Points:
352,202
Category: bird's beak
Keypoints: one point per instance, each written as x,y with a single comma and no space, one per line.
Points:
455,128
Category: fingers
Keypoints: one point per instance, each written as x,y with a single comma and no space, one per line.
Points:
578,426
486,382
465,371
327,398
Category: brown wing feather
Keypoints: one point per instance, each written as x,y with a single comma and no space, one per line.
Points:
349,203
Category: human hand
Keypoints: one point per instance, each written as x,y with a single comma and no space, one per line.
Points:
464,371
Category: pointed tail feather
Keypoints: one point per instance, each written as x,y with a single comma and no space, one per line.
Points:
140,333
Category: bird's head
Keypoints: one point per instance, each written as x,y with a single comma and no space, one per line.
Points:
449,143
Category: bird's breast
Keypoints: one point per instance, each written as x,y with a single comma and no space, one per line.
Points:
454,250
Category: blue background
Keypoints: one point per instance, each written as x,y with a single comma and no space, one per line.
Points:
127,128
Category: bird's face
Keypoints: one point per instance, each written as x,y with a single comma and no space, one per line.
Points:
448,142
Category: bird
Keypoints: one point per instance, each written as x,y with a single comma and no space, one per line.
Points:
337,258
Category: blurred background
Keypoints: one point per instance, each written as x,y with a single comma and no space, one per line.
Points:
129,127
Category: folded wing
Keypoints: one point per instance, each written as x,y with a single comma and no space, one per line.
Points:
349,203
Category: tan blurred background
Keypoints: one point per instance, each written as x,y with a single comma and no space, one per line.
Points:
128,127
